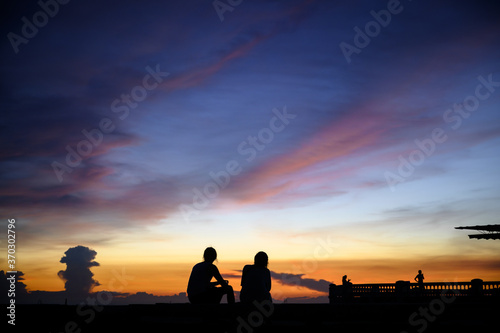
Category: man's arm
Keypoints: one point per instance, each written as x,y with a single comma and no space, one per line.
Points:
217,276
268,280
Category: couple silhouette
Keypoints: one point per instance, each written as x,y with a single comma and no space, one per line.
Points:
255,281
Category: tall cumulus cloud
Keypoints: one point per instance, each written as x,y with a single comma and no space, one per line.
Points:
78,278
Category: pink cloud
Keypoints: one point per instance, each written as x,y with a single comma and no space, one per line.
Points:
370,134
196,76
325,157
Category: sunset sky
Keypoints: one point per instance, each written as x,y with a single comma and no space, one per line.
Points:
339,137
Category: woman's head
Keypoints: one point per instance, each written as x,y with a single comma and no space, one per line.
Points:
210,254
261,259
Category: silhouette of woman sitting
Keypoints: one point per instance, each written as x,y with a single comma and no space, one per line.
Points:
256,280
200,288
346,282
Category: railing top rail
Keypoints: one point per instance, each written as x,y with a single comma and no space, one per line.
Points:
425,284
373,284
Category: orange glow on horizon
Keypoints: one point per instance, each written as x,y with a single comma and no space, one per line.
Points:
169,279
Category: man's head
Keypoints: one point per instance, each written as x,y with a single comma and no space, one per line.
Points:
210,254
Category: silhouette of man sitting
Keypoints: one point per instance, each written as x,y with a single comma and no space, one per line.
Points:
256,280
200,289
420,279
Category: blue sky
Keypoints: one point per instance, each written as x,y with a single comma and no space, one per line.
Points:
324,172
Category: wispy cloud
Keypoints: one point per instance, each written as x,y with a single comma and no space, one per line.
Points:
299,281
326,168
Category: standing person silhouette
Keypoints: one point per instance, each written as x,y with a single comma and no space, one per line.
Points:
420,279
256,280
200,289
